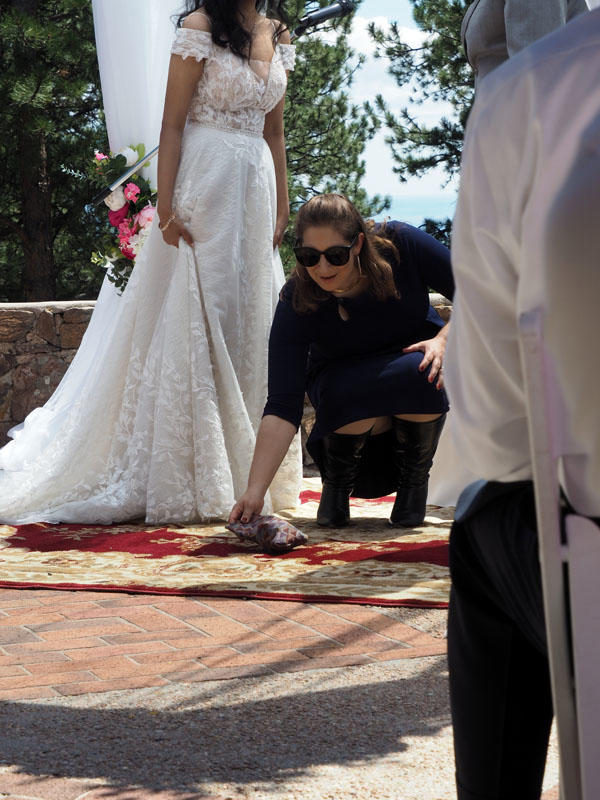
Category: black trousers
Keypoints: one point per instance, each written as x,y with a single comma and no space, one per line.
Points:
499,676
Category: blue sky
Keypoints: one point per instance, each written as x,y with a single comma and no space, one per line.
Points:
398,10
417,198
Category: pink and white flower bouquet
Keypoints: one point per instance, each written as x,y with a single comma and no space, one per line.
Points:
131,212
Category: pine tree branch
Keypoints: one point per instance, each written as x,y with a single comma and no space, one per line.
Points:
7,222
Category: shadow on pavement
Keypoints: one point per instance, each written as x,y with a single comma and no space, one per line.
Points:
214,735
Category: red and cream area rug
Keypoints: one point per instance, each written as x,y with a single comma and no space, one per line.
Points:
368,562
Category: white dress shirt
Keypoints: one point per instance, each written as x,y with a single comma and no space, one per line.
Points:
494,30
527,235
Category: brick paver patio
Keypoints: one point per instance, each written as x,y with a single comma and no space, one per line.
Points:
58,643
65,643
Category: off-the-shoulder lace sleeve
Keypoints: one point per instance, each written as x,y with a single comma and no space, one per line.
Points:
192,42
287,53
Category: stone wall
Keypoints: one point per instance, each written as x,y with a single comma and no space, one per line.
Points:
38,342
441,305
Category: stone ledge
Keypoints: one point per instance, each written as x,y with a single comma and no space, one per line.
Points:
441,305
38,341
53,305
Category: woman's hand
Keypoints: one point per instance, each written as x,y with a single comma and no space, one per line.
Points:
280,226
248,506
175,231
273,439
433,350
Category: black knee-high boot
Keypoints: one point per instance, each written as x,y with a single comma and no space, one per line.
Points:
341,457
414,448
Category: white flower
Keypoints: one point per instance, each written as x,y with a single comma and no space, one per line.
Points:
116,199
130,154
137,240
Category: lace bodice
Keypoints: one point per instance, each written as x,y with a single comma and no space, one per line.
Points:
233,93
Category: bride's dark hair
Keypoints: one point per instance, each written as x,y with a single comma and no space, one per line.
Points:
226,28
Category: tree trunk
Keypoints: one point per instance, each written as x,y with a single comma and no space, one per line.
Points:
39,272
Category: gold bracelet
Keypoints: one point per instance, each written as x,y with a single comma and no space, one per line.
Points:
164,227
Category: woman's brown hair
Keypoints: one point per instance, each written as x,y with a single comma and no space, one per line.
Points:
225,26
336,211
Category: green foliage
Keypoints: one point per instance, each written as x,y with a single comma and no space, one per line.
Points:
102,172
325,133
439,71
439,229
51,122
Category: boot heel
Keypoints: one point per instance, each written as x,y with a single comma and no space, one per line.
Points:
334,508
416,443
409,507
342,454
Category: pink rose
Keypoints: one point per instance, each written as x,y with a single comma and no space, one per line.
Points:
127,252
116,217
132,192
99,156
145,216
127,229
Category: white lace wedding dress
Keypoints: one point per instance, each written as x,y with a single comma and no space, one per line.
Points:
157,414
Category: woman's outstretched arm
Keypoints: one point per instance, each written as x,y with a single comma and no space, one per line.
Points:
272,443
288,353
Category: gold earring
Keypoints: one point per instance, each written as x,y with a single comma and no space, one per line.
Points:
360,272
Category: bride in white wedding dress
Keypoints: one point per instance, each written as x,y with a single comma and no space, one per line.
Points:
156,416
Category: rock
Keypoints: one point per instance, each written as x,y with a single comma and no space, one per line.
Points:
15,323
24,378
33,382
35,344
46,326
77,316
72,334
7,362
444,311
5,404
308,420
23,404
51,370
4,429
441,305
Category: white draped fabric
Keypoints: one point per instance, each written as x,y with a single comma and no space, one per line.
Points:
133,40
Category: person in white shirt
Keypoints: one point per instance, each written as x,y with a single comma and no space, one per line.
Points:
494,30
525,236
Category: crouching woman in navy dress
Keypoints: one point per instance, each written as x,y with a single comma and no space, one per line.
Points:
355,330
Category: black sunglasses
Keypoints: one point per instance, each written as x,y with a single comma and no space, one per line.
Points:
337,255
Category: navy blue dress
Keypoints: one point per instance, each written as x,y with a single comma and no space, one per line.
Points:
355,369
